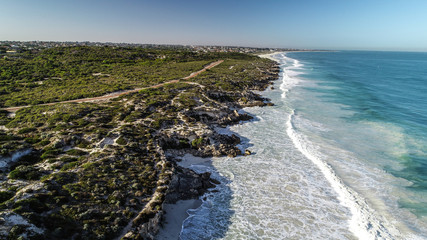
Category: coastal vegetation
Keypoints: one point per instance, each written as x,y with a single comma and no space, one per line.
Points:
59,74
102,170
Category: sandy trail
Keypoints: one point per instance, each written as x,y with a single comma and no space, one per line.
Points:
117,94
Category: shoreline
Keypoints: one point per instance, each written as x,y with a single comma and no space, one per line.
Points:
174,216
269,56
362,214
176,213
178,119
355,227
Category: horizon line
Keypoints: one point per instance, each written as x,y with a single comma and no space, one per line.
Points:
213,45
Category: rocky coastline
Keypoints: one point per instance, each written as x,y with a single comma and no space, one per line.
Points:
186,184
110,177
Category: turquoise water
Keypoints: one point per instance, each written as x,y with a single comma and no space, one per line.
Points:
388,89
341,155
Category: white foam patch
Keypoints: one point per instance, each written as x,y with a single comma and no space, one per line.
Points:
274,194
357,152
286,189
289,74
364,223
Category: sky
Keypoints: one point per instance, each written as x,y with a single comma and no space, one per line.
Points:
304,24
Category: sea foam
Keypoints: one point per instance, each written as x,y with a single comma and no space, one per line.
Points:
365,222
289,188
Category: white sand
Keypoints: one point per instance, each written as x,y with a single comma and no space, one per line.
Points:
269,56
175,214
189,160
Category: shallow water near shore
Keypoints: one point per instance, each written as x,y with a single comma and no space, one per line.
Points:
330,161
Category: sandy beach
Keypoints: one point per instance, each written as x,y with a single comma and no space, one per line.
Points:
269,56
174,216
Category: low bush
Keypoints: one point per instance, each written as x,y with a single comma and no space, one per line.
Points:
25,172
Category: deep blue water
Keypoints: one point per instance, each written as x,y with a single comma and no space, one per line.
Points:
388,89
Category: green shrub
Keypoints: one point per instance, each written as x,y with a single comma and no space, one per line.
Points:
26,130
30,205
51,153
5,195
183,143
121,141
82,143
44,142
30,159
32,140
76,152
25,172
69,165
63,177
197,142
6,137
68,159
88,166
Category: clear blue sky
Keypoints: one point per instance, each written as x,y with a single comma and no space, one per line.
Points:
325,24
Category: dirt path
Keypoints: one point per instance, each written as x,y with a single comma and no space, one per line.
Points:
117,94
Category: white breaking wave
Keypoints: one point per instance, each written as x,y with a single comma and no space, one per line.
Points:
288,74
288,188
364,223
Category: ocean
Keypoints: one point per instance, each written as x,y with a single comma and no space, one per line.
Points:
341,155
